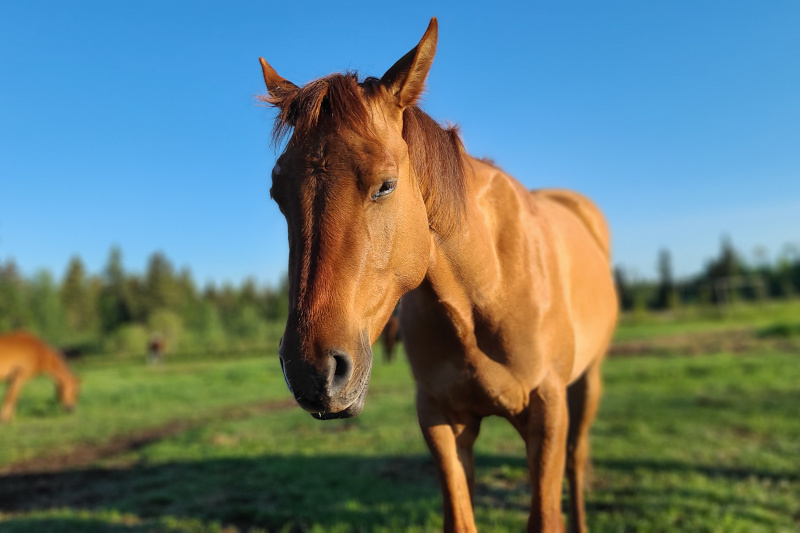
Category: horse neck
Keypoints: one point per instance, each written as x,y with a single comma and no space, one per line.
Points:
464,267
54,365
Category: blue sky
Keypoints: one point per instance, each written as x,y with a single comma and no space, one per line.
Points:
135,123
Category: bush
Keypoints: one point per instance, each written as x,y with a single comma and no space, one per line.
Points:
129,338
168,325
782,330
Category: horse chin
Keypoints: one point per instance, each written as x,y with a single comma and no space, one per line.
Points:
353,410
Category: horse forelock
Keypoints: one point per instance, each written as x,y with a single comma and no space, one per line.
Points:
333,102
339,102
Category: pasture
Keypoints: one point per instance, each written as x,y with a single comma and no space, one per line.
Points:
697,431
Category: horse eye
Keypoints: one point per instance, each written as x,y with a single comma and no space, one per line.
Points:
386,188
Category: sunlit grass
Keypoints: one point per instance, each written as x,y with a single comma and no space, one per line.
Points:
688,320
708,443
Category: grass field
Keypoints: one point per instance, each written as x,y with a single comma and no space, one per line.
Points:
688,439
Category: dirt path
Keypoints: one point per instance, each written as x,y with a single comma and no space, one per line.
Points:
739,340
86,454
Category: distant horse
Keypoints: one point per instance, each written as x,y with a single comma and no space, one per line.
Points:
156,346
23,356
510,303
390,337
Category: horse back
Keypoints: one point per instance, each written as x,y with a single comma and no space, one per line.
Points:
586,211
584,253
22,353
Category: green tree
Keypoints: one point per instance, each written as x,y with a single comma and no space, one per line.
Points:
667,295
206,327
76,297
187,290
625,292
784,270
246,325
168,325
249,293
113,304
14,310
722,273
277,302
45,306
162,291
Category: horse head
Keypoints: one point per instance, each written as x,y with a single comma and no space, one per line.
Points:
68,388
358,220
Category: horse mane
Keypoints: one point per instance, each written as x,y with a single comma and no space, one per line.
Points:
57,358
337,102
436,156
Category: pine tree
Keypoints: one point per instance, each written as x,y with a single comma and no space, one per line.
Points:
624,291
667,296
45,306
14,310
113,303
76,298
722,272
161,288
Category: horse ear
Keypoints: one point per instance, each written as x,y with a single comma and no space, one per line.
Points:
278,87
406,79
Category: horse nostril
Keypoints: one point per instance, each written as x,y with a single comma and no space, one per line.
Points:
342,371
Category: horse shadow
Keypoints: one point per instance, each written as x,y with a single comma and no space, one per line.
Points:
273,493
297,493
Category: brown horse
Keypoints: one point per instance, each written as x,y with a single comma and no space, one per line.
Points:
509,303
156,347
23,356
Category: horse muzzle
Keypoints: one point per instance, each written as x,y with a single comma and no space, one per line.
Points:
334,387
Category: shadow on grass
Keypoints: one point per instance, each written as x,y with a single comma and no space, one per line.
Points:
718,471
269,492
84,525
294,493
706,501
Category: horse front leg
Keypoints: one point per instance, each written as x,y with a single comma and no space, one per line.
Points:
15,383
451,444
544,427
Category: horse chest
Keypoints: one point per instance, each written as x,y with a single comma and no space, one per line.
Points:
468,379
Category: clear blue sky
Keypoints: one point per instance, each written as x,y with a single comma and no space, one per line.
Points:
135,123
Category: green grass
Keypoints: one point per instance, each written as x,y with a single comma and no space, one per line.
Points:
690,320
130,396
681,443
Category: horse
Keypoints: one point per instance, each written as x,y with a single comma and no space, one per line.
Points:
508,299
390,337
156,346
23,356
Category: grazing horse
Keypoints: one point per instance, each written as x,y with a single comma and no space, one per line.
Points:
23,356
509,303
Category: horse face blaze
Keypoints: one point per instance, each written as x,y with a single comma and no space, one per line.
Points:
358,226
354,250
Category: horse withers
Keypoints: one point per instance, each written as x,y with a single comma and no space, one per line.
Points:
509,302
22,357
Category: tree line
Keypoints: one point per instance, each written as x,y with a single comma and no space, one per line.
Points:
726,279
119,311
